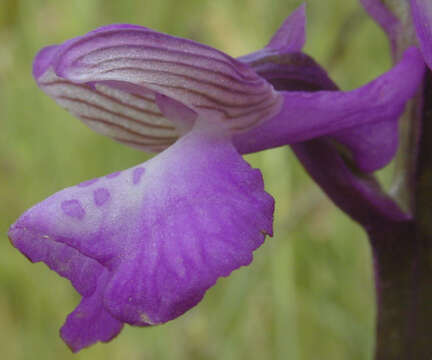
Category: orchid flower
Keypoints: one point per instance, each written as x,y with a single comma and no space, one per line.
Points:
143,245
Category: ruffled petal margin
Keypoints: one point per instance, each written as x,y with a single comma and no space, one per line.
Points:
89,322
159,235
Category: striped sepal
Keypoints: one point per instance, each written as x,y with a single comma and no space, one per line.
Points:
131,60
133,119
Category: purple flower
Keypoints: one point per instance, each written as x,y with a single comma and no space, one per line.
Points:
143,245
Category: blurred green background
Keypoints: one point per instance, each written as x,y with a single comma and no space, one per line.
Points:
309,292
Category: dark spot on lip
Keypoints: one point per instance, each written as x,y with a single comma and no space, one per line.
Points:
137,174
73,209
101,196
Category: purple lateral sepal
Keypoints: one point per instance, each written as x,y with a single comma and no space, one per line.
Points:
289,38
143,247
371,146
365,120
357,194
422,16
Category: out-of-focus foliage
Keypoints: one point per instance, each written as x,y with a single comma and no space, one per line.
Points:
308,294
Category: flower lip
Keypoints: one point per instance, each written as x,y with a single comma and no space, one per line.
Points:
126,62
89,322
152,239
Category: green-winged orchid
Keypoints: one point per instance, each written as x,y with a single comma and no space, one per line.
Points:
143,245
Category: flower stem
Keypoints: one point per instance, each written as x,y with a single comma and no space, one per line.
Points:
403,264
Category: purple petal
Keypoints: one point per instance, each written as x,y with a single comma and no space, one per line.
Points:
141,62
90,322
73,217
166,230
205,215
82,271
422,15
308,115
291,36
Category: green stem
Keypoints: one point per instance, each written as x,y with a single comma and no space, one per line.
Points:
403,264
